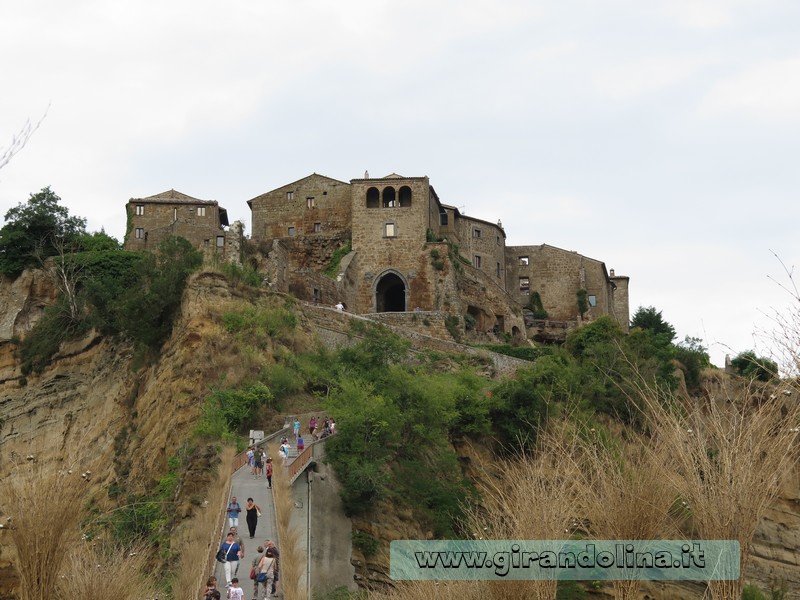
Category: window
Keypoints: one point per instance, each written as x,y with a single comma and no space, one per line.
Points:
291,231
498,270
476,261
592,300
290,195
139,210
174,214
206,243
389,230
201,211
498,240
139,233
476,233
523,261
524,286
310,202
317,227
220,241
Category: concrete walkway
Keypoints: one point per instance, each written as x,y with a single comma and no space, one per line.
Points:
244,486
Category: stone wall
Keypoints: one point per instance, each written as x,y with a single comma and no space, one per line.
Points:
315,206
483,242
558,275
333,329
198,221
390,239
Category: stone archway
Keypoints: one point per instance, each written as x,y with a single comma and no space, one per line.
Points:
391,293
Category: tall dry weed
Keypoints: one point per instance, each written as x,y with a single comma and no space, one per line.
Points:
428,590
44,499
533,498
729,455
200,536
623,493
105,570
293,559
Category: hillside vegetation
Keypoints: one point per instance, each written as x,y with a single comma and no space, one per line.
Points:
203,357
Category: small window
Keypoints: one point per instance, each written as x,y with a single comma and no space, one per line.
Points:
498,240
389,230
524,286
476,233
201,211
139,210
317,227
174,214
476,261
220,241
291,231
139,233
592,300
206,243
523,261
310,202
498,270
290,195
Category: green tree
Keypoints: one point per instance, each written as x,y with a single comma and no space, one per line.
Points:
650,319
749,364
35,230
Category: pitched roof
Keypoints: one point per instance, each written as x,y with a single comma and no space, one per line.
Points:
173,197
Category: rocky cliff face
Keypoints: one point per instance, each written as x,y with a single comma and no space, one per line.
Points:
95,401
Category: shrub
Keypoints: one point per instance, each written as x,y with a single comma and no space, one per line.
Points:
452,323
336,258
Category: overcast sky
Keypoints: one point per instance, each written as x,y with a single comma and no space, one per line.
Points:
659,137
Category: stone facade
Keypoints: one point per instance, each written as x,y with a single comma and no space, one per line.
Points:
557,275
408,251
171,213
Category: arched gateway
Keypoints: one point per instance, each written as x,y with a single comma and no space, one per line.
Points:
390,292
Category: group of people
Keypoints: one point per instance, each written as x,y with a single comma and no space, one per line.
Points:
318,432
253,511
264,572
260,464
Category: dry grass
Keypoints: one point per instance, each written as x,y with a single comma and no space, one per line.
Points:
44,501
534,499
293,558
101,571
194,540
623,493
438,590
729,456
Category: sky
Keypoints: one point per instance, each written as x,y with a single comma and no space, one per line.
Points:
661,138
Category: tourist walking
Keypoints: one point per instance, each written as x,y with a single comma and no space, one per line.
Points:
231,553
211,593
268,472
266,572
254,572
253,512
234,508
259,462
276,567
235,592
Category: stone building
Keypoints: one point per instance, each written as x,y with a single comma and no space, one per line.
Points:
399,249
203,222
557,275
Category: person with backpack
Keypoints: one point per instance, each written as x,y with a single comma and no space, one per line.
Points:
259,459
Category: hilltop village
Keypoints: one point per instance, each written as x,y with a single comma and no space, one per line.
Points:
389,245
